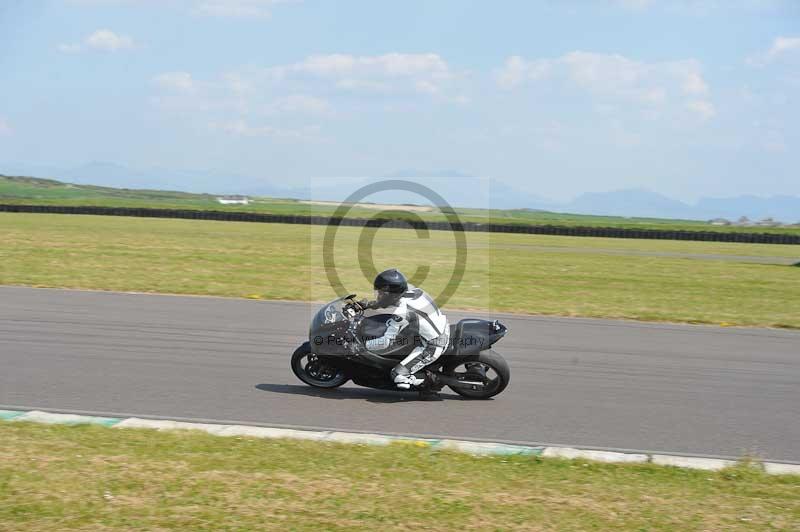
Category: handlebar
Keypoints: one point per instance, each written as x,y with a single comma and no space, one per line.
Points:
358,307
355,312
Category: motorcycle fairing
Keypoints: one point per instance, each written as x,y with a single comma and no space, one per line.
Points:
470,336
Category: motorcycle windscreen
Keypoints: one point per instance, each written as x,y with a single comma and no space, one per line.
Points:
328,317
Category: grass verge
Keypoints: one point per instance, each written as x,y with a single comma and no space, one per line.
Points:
695,282
95,478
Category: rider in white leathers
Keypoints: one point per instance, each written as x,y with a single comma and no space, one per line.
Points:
410,305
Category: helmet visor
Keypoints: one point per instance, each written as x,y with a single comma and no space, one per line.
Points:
384,298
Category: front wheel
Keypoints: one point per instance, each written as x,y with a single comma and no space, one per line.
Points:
488,367
315,372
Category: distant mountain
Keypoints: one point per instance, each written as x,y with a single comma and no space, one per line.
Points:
631,202
503,196
648,204
114,175
458,188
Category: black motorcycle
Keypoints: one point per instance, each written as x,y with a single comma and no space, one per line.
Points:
468,366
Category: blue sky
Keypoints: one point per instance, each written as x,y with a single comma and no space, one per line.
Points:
687,98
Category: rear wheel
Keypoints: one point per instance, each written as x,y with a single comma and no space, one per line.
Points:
487,367
315,372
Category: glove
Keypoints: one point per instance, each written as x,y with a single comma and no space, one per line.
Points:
362,305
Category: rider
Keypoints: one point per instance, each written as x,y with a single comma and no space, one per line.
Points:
410,305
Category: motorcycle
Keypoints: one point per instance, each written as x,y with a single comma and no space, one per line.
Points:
328,360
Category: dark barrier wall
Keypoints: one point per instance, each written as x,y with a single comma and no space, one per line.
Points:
607,232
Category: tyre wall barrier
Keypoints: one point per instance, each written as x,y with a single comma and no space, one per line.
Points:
558,230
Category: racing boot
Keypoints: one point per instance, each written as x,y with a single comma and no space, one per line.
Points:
404,379
405,382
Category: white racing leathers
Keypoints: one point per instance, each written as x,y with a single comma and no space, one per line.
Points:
417,307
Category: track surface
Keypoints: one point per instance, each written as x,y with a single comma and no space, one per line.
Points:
589,383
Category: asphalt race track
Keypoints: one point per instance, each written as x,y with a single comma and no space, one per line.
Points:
579,382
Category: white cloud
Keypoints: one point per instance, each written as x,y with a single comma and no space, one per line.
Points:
634,4
100,40
180,92
703,7
363,85
236,8
299,103
109,41
175,81
517,70
240,127
397,74
781,46
694,83
701,108
231,92
101,3
394,72
610,77
387,65
91,3
237,83
211,8
232,102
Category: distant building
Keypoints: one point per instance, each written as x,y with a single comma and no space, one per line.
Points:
767,222
233,200
719,221
744,220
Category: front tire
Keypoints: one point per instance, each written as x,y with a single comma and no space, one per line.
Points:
314,372
488,365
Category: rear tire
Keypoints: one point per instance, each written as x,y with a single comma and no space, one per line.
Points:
315,373
489,358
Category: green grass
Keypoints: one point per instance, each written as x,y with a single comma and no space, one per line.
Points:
95,478
34,191
694,282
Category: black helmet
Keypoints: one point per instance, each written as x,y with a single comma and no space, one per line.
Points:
390,286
